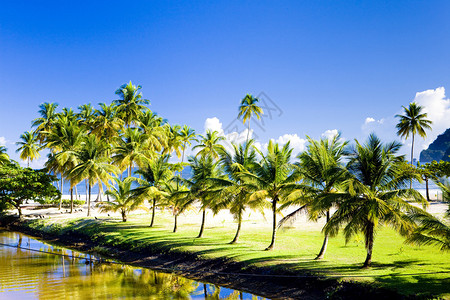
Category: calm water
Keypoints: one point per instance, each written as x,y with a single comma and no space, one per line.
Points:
26,274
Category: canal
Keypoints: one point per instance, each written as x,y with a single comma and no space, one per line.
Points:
32,269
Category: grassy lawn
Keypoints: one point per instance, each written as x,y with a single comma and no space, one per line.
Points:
295,249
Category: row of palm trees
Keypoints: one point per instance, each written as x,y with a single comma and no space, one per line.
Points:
358,189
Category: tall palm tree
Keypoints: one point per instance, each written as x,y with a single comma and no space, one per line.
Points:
156,175
375,195
413,122
45,122
173,139
4,157
233,192
199,185
273,179
131,149
93,165
105,123
29,147
322,171
248,108
177,199
131,105
187,134
154,127
124,198
209,145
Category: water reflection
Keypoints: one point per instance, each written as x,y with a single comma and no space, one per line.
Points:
27,274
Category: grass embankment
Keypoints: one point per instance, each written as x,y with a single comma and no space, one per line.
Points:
396,265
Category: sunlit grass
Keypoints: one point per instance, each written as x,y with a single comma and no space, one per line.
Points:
395,265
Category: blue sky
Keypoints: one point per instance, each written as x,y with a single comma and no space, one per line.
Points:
328,65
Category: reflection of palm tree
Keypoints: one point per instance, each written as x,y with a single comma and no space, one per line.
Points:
29,148
273,179
374,196
93,165
248,108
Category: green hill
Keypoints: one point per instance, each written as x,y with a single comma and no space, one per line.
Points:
438,150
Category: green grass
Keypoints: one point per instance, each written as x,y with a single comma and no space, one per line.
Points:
295,249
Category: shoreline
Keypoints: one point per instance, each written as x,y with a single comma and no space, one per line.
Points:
263,281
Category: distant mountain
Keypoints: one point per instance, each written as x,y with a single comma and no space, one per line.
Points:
438,150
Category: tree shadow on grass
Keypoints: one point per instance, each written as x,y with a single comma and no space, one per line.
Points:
419,285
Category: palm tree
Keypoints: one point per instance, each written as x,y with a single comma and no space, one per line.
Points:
106,124
199,185
431,230
131,149
209,144
374,195
29,147
248,108
124,198
154,127
4,157
131,105
66,136
93,165
233,192
156,176
413,122
187,134
45,122
322,171
273,179
177,199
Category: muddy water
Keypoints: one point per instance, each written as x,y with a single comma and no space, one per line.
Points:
27,271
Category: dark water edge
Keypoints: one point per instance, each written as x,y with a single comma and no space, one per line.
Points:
274,283
32,269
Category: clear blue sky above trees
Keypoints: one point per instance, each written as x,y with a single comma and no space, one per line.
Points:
326,64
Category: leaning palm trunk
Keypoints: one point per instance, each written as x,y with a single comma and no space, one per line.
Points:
153,212
86,182
236,237
412,157
427,189
202,227
325,241
274,226
124,216
369,244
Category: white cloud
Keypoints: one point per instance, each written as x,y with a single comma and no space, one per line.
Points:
3,141
297,143
437,107
213,124
331,133
434,103
35,164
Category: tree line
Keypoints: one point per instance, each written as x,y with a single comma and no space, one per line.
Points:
358,188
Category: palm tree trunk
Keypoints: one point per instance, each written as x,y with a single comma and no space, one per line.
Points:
61,190
426,188
89,201
369,244
129,171
153,212
202,227
85,181
325,241
412,157
274,225
124,216
76,193
236,237
248,129
28,162
175,223
71,200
